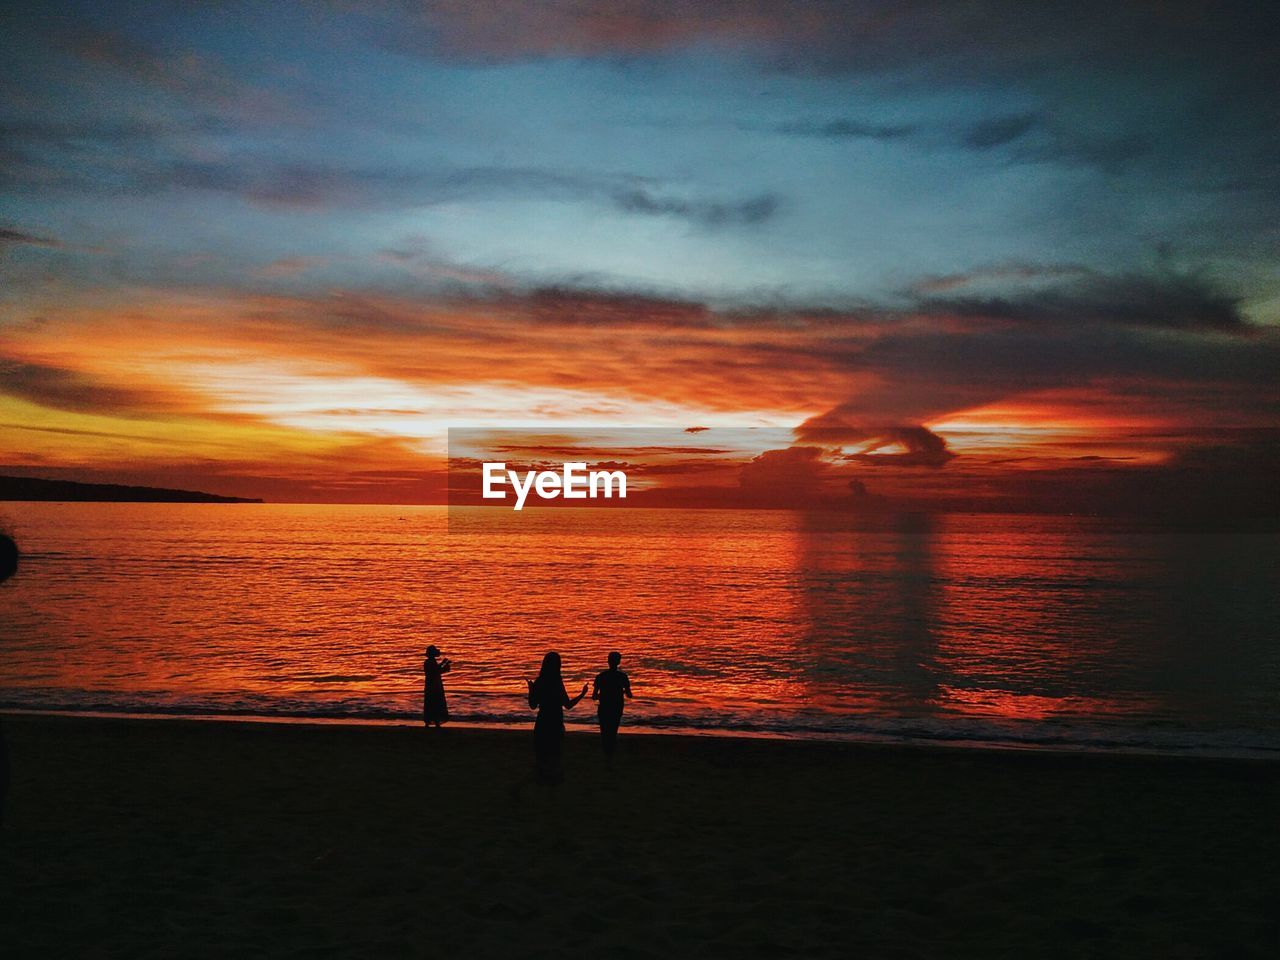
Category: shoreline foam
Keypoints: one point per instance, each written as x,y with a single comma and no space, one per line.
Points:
960,740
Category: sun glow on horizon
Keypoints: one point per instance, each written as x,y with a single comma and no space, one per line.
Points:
330,398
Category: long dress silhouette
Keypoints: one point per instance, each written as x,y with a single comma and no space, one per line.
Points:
548,696
435,710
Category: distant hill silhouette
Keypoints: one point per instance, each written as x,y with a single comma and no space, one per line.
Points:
33,488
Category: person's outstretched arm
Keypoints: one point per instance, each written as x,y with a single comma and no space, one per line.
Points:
571,703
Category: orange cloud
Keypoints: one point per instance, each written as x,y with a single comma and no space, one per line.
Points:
332,393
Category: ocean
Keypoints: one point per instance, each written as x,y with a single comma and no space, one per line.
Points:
1024,631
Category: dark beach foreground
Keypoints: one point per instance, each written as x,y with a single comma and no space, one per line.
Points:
149,838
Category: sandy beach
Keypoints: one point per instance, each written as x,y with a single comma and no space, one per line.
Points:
169,838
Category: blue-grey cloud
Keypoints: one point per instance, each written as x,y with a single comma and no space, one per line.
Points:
1168,300
845,129
1032,136
21,238
998,131
272,183
708,213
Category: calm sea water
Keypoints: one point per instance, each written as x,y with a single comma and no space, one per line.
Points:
1018,630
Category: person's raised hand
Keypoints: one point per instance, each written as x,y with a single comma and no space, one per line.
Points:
584,689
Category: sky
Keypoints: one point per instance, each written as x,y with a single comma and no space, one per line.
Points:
981,253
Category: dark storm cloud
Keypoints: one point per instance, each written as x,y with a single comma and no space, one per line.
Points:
1042,298
846,130
1035,137
65,389
920,447
920,376
1031,137
707,213
604,309
74,432
1175,301
20,238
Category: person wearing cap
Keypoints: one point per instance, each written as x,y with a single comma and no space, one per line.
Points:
434,708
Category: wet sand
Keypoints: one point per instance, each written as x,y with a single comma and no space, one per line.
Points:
151,838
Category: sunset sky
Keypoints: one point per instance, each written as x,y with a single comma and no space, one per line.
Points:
953,254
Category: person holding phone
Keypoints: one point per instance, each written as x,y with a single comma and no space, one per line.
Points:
435,710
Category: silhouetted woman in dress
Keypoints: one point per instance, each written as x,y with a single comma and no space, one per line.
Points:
548,696
434,708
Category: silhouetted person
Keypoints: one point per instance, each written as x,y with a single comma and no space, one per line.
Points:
611,688
434,708
548,696
8,567
8,557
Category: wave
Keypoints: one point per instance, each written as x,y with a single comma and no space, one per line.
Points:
1089,737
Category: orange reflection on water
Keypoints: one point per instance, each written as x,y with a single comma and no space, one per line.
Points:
1020,705
724,618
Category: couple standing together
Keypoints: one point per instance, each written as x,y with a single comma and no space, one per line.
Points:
548,696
